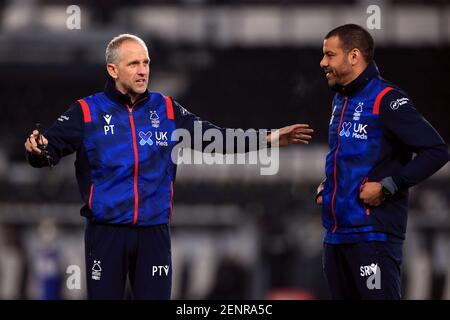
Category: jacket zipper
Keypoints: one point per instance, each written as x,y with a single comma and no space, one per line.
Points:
136,161
335,165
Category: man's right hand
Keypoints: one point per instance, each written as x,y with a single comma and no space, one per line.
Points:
319,194
319,200
34,146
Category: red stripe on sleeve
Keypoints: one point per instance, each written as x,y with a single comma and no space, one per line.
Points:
376,105
86,111
169,108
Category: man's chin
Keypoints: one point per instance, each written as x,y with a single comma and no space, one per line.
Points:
331,83
140,90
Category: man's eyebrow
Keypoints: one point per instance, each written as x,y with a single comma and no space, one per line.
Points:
328,52
137,61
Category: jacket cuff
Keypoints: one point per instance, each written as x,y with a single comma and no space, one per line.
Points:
389,184
35,160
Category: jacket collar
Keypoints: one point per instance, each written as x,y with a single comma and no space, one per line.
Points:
360,82
122,99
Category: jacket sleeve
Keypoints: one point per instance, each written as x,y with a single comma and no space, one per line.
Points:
403,123
64,137
207,137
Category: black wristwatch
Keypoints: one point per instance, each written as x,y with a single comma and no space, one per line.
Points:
386,192
388,187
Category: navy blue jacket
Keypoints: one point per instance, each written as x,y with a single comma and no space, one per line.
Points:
374,132
124,164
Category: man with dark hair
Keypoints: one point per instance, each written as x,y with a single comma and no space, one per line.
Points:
353,36
374,131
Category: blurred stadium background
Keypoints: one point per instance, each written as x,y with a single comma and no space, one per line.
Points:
238,63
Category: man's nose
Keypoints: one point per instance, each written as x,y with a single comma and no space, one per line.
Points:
323,63
142,69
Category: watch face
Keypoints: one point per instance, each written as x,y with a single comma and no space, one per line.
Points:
386,192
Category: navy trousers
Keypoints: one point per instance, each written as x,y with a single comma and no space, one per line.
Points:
114,252
365,270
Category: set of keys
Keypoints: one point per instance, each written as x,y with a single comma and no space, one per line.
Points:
43,147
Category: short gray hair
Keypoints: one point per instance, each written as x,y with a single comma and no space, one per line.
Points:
112,50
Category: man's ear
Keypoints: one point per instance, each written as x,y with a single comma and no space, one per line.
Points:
354,56
112,70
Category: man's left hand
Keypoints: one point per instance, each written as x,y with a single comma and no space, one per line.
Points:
371,194
297,133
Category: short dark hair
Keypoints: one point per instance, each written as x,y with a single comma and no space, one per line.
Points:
354,36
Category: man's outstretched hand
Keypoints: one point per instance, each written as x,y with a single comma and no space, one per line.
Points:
295,134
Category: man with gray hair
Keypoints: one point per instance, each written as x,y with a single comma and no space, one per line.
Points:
122,139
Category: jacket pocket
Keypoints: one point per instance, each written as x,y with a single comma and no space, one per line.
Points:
366,208
91,193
